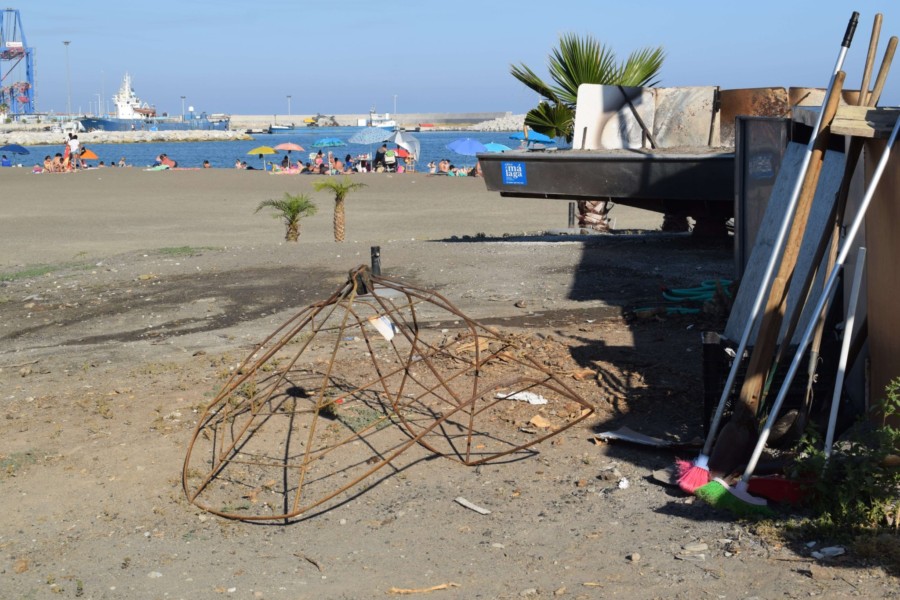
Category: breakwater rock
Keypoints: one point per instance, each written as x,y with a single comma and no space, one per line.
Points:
504,123
41,138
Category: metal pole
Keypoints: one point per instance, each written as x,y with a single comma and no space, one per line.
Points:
376,260
68,80
182,108
571,215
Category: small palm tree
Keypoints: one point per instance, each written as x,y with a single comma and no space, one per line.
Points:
576,61
340,189
291,209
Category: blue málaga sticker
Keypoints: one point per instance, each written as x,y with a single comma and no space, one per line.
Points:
514,173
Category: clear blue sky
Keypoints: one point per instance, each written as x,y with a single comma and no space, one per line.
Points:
345,56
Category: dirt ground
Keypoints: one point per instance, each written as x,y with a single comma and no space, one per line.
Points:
124,311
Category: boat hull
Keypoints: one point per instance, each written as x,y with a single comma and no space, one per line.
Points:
96,124
699,185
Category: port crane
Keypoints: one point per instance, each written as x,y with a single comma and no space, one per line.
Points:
16,66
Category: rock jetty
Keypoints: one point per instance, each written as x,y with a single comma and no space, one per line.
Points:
41,138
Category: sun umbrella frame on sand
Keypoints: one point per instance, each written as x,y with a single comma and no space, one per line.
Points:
532,137
329,142
15,149
289,147
370,135
261,151
466,146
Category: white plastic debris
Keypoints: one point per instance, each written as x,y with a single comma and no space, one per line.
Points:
472,506
529,397
829,552
624,483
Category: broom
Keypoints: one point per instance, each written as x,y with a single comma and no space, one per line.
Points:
737,498
692,476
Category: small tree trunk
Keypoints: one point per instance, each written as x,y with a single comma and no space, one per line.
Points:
339,219
594,214
293,232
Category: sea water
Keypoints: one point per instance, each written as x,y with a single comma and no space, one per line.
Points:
224,154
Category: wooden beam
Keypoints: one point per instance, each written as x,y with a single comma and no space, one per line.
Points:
859,121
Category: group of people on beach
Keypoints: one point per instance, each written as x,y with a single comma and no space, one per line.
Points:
72,158
386,160
445,167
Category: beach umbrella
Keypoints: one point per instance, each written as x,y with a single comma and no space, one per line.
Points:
405,140
402,153
262,151
466,146
495,147
15,149
289,146
370,135
88,155
532,136
330,142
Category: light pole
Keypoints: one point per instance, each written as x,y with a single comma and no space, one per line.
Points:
289,106
182,108
99,111
395,105
68,80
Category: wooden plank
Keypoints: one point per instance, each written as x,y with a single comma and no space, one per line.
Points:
860,121
829,183
883,270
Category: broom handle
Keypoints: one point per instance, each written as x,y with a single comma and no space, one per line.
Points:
883,72
845,349
836,218
761,358
862,100
824,297
779,241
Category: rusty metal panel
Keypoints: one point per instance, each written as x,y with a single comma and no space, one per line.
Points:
750,102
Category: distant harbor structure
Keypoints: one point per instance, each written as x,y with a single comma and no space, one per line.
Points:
16,67
133,114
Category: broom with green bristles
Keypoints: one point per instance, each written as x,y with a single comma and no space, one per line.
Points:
737,498
693,475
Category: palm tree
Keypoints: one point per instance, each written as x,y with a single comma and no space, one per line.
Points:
291,209
576,61
340,189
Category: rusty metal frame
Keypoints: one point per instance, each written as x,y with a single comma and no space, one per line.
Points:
434,387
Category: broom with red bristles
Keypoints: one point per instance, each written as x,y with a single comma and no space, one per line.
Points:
692,476
737,498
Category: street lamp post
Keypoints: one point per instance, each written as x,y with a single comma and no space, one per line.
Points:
182,108
68,80
289,105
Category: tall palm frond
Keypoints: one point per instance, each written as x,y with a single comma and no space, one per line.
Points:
555,120
578,61
531,80
642,67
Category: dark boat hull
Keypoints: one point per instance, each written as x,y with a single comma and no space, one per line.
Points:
95,124
675,183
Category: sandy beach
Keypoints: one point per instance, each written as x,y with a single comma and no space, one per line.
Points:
127,297
53,218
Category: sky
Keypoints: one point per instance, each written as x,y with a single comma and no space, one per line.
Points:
345,57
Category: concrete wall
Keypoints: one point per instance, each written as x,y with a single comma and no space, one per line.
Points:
404,119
